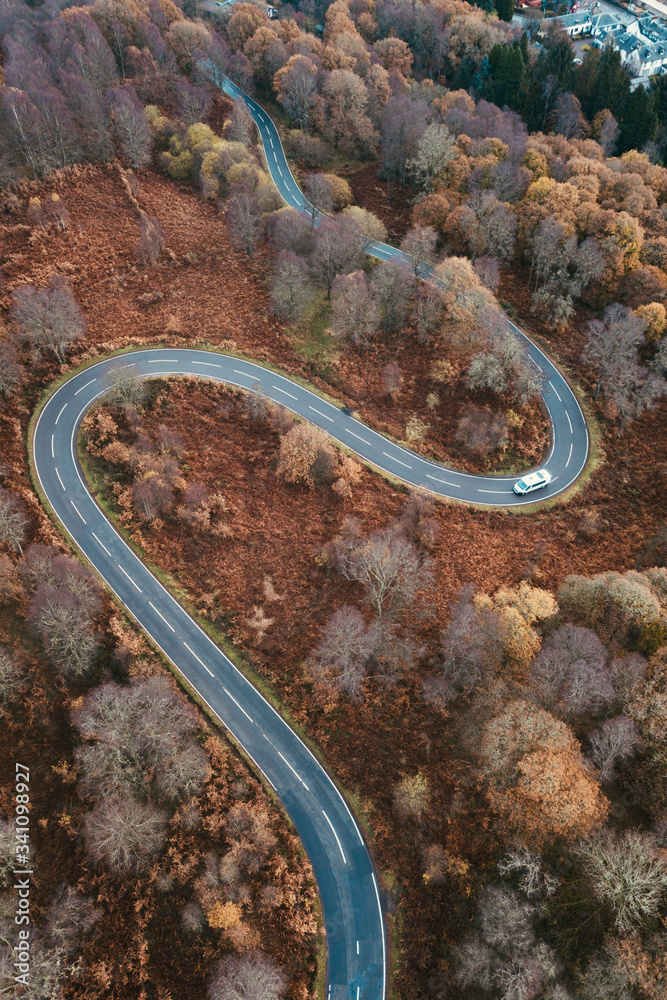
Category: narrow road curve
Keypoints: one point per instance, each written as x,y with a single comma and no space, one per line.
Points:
569,433
347,881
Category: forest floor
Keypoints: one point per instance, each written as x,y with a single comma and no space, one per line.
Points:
272,597
138,944
213,294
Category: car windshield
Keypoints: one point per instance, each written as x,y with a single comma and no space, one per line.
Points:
522,484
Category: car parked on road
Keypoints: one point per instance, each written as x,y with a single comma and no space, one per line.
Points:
533,481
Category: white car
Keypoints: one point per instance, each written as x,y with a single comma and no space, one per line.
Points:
533,481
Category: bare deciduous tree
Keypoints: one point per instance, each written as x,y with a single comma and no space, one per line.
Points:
394,285
628,874
346,647
192,103
487,270
319,191
606,131
289,230
290,289
130,127
244,217
126,389
124,834
337,250
255,405
70,916
13,521
392,379
568,118
570,673
505,368
143,739
479,429
615,742
428,311
240,126
50,317
11,372
635,390
534,882
611,345
473,645
355,311
12,678
437,148
628,673
391,570
420,242
152,496
488,226
295,84
503,954
64,628
151,240
247,977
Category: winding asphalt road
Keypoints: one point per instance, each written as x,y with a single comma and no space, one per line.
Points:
569,434
347,881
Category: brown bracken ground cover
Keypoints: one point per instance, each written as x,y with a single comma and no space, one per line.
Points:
272,597
214,294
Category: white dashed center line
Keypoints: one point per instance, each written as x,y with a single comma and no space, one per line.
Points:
197,658
206,364
569,421
78,511
284,391
357,436
569,456
61,413
102,544
85,386
129,577
444,481
237,704
320,414
387,455
295,773
340,846
59,479
556,391
168,624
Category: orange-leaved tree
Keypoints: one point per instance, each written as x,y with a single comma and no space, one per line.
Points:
538,784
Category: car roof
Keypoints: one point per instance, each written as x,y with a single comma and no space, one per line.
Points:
535,477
